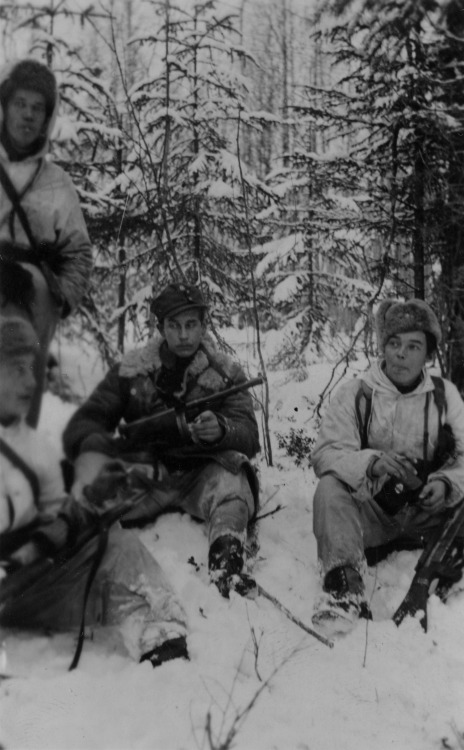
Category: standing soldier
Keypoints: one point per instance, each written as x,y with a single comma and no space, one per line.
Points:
45,252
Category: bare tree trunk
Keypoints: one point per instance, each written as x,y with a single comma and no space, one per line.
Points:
285,130
453,258
122,257
196,149
419,219
266,404
418,249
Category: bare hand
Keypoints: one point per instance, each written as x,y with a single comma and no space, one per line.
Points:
87,467
26,554
433,496
206,428
111,479
395,465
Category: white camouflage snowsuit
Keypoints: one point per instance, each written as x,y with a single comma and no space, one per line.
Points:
347,520
52,206
130,592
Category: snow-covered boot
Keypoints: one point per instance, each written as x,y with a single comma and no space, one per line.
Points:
342,602
174,648
225,562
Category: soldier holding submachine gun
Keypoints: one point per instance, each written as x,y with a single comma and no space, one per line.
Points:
185,414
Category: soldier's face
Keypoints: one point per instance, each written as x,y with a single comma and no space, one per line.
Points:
183,332
405,356
25,117
17,384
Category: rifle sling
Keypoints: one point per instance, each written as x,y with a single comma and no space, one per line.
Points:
439,397
103,532
99,553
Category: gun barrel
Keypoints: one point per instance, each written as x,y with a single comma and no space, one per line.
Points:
138,427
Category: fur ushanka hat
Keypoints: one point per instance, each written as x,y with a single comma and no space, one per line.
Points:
31,75
394,317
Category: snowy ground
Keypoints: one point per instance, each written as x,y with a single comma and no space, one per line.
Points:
255,680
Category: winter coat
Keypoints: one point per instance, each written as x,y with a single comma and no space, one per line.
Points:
129,392
130,590
51,203
17,505
396,424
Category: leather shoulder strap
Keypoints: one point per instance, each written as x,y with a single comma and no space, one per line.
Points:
10,190
365,392
439,394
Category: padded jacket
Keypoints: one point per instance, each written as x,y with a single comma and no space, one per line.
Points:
129,392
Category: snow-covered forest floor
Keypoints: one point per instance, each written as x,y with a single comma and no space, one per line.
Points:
255,680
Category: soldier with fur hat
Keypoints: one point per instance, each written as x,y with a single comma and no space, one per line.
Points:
385,475
42,229
208,474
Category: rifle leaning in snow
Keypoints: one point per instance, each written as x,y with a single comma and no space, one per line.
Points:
173,424
442,560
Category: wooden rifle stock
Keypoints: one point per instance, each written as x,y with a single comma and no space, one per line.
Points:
435,562
173,422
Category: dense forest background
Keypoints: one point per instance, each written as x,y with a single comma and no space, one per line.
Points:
301,160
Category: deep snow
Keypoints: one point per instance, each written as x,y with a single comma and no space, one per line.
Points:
254,678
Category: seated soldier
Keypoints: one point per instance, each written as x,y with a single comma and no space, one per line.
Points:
207,472
31,484
38,523
386,474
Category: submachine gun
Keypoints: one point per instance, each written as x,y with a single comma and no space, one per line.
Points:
172,424
442,561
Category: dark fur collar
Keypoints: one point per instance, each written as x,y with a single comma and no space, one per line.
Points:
147,360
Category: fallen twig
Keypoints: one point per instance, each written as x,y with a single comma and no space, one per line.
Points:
271,512
292,617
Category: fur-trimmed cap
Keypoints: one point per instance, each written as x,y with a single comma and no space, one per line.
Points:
17,337
394,317
30,75
177,298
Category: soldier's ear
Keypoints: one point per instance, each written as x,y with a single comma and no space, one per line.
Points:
160,327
